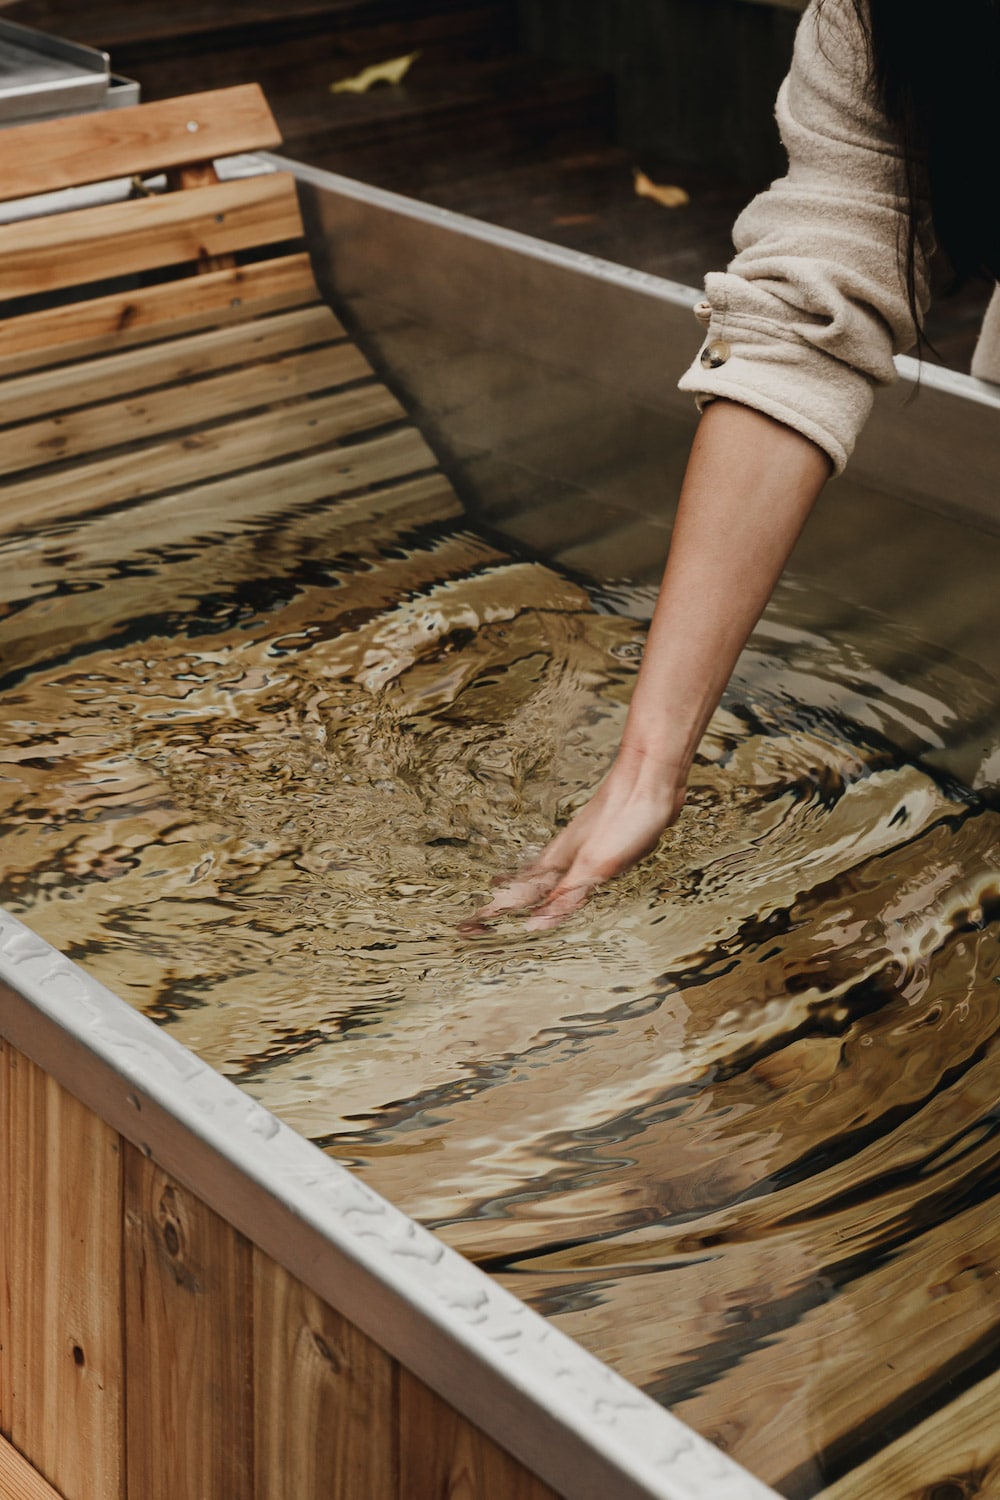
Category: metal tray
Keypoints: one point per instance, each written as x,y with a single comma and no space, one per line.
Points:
42,76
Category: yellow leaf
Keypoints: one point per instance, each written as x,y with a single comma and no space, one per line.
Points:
392,71
668,196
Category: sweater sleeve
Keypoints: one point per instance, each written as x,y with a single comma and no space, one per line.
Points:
806,320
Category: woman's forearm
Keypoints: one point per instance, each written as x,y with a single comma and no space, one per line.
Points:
750,485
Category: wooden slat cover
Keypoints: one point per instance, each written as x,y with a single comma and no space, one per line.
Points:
87,382
242,444
127,319
18,1480
111,425
56,154
118,239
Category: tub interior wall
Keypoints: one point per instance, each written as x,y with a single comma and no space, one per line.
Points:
546,384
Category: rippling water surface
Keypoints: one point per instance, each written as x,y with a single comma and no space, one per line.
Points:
734,1127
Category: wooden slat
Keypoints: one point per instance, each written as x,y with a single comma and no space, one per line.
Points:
127,319
40,395
18,1480
119,239
441,1454
94,429
229,506
954,1453
312,1365
171,465
56,154
188,1301
61,1381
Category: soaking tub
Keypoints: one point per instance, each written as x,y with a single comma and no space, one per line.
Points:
723,1147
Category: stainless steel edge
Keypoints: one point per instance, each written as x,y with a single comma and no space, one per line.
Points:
42,75
47,44
568,1417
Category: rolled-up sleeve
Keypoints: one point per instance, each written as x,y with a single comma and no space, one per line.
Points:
805,321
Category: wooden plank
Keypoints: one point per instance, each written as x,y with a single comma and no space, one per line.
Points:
18,1480
93,429
56,154
127,319
954,1455
441,1454
61,1387
172,361
188,1300
119,239
324,1398
229,506
161,468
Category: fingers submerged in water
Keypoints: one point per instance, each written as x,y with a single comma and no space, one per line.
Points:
622,823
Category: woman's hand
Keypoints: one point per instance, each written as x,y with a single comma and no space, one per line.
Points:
622,822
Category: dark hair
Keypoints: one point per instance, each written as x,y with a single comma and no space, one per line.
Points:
936,69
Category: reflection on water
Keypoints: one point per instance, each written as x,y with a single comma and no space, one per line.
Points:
734,1127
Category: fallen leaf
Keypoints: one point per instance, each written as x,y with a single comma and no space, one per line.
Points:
392,71
665,194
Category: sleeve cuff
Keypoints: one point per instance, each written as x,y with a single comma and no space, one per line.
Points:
795,383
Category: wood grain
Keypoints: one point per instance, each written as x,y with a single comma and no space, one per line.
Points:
127,319
953,1455
243,444
173,361
188,1300
61,1371
443,1457
56,154
924,1310
311,1362
119,239
18,1480
190,403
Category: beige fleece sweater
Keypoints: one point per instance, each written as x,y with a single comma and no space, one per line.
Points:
806,320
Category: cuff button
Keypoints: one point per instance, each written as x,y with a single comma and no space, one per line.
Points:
715,354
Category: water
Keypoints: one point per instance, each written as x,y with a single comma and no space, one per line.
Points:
734,1126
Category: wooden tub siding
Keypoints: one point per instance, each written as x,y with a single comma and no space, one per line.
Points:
18,1480
147,1349
61,1365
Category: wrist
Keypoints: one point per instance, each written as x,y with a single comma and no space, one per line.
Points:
659,764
